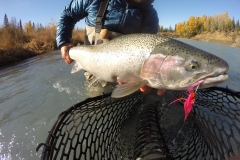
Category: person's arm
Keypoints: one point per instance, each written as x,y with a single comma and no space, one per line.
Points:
72,13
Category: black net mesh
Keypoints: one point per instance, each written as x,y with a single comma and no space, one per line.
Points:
213,131
88,130
129,128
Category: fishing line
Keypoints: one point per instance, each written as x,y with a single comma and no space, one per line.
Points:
197,88
180,131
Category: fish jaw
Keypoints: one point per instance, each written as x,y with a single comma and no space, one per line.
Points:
205,81
213,81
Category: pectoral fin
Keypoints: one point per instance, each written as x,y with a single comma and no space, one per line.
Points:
76,67
131,84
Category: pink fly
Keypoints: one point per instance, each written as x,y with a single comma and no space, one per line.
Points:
189,101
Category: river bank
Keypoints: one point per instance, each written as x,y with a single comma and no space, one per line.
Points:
14,56
230,39
18,54
18,44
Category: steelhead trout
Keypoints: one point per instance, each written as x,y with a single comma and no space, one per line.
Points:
152,60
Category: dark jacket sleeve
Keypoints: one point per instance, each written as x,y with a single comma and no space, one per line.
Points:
151,23
72,13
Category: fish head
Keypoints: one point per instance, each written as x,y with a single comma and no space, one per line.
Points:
179,66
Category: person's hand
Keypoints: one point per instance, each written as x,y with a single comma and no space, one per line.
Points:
65,52
146,89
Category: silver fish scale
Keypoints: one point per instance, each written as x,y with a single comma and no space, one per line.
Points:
129,57
131,43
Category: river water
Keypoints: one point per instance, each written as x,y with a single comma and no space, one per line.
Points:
34,92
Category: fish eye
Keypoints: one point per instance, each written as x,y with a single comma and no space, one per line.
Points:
193,66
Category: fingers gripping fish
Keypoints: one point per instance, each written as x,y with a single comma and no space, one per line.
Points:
153,60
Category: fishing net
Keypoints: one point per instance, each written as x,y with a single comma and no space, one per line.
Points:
132,128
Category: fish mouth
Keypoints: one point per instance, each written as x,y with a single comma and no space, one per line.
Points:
205,80
212,79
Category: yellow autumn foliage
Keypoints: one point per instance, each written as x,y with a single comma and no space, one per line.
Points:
197,25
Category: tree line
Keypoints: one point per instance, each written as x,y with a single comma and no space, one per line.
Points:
30,36
197,25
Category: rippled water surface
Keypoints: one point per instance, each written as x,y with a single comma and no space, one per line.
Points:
34,92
